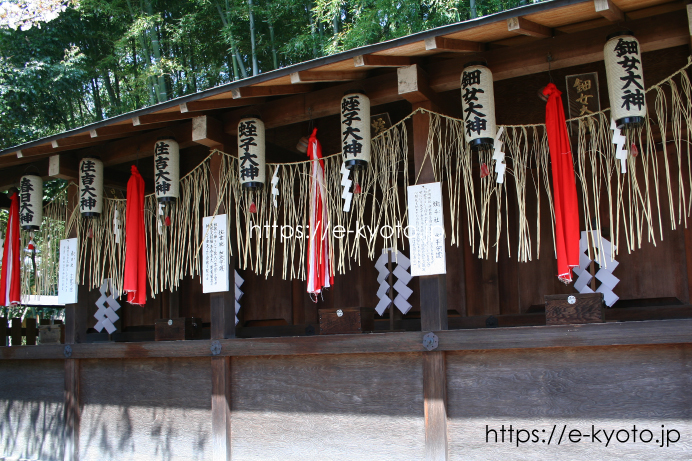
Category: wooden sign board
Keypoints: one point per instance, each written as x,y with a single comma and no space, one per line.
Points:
582,94
215,254
426,231
67,272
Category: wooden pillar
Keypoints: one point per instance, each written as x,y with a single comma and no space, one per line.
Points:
209,132
75,332
689,20
414,87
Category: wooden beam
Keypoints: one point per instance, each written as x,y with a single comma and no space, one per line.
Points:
435,406
311,76
130,149
609,10
414,87
321,103
116,131
653,33
208,131
654,332
221,408
276,90
453,45
158,118
211,104
523,26
372,60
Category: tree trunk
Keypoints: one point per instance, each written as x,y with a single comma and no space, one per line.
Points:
271,37
312,31
111,93
255,68
472,6
237,59
156,47
97,99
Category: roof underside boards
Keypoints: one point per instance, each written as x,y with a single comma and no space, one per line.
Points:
514,42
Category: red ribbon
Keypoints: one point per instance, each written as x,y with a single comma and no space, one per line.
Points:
135,284
10,288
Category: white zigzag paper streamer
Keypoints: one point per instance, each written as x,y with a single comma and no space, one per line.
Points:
275,182
107,305
602,250
403,277
499,157
238,281
159,219
346,182
116,225
619,140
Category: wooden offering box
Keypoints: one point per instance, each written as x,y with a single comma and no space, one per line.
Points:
178,329
575,308
348,320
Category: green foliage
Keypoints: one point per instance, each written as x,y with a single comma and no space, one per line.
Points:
101,58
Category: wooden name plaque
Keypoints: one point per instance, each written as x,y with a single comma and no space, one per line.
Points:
574,309
178,329
347,320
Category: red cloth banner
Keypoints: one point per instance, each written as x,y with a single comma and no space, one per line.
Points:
564,186
320,274
10,286
135,284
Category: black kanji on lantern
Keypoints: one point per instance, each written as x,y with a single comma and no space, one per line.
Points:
624,47
471,77
87,178
247,131
475,124
26,212
162,179
635,98
350,111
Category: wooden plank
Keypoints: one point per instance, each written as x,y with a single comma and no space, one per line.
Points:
277,90
158,118
642,387
372,60
588,335
311,76
154,410
609,10
117,131
72,410
226,103
653,33
30,331
453,45
356,407
523,26
3,331
689,20
435,403
221,402
16,331
414,87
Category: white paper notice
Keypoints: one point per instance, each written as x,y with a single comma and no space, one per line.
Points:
426,229
67,272
215,254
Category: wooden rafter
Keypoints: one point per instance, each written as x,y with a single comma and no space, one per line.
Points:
523,26
308,76
609,10
225,103
373,60
453,45
275,90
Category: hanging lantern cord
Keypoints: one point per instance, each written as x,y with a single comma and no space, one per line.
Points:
549,58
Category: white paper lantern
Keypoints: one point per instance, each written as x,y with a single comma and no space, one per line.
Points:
355,129
478,102
91,186
167,169
30,202
251,150
624,72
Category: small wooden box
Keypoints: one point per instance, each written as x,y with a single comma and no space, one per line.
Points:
586,308
50,334
178,329
347,320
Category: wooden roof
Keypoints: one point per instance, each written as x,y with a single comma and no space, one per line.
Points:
514,43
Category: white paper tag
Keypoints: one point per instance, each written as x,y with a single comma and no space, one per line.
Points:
215,255
67,272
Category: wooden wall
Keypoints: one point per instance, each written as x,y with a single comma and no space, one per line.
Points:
354,406
145,409
31,409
